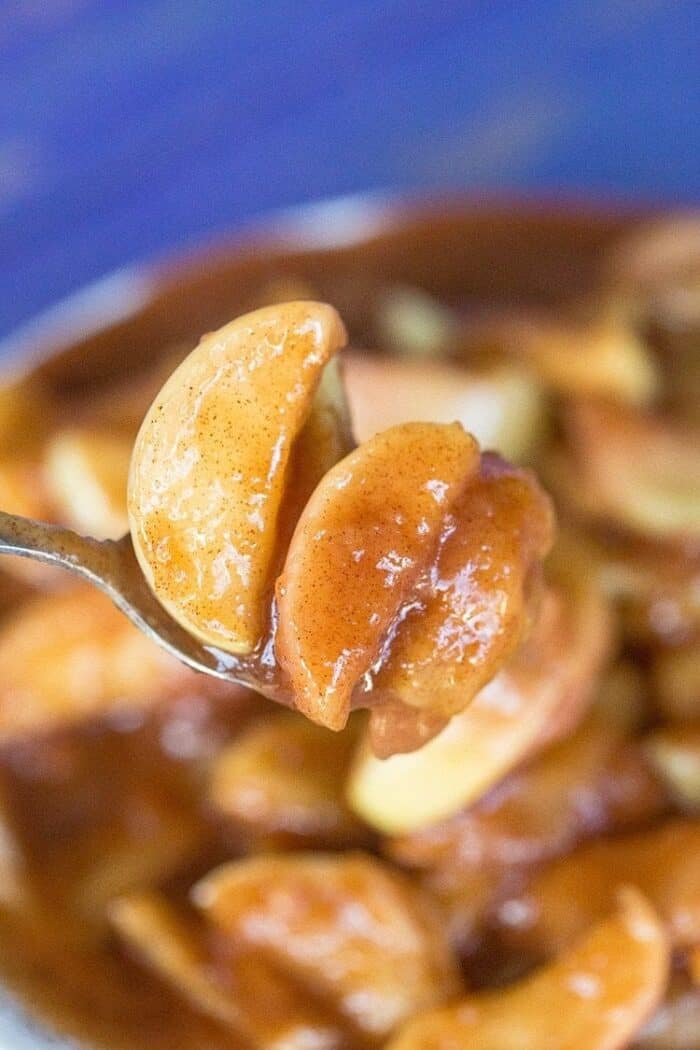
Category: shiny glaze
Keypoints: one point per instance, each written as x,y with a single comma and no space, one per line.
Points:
471,609
538,697
368,532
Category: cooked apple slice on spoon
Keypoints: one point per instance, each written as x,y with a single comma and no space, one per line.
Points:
472,610
211,464
370,529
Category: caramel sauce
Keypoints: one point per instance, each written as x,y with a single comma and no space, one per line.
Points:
84,805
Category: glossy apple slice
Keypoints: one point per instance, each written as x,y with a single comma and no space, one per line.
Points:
280,784
502,406
473,609
324,439
596,996
576,890
369,530
536,698
210,466
246,994
344,929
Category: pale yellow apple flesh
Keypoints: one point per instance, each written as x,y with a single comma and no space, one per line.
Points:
502,406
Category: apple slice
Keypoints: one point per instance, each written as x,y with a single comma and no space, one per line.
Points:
596,996
246,994
536,815
601,473
85,472
536,698
163,940
502,406
280,784
210,466
323,440
367,533
674,753
569,894
473,609
70,656
345,929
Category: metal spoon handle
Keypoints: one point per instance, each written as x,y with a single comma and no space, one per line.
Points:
55,545
111,566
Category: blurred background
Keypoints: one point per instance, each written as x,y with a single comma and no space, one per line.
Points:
129,127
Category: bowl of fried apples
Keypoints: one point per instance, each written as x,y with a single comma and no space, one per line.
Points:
427,475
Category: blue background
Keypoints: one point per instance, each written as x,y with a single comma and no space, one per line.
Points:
131,126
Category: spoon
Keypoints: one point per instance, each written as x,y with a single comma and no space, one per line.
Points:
111,566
